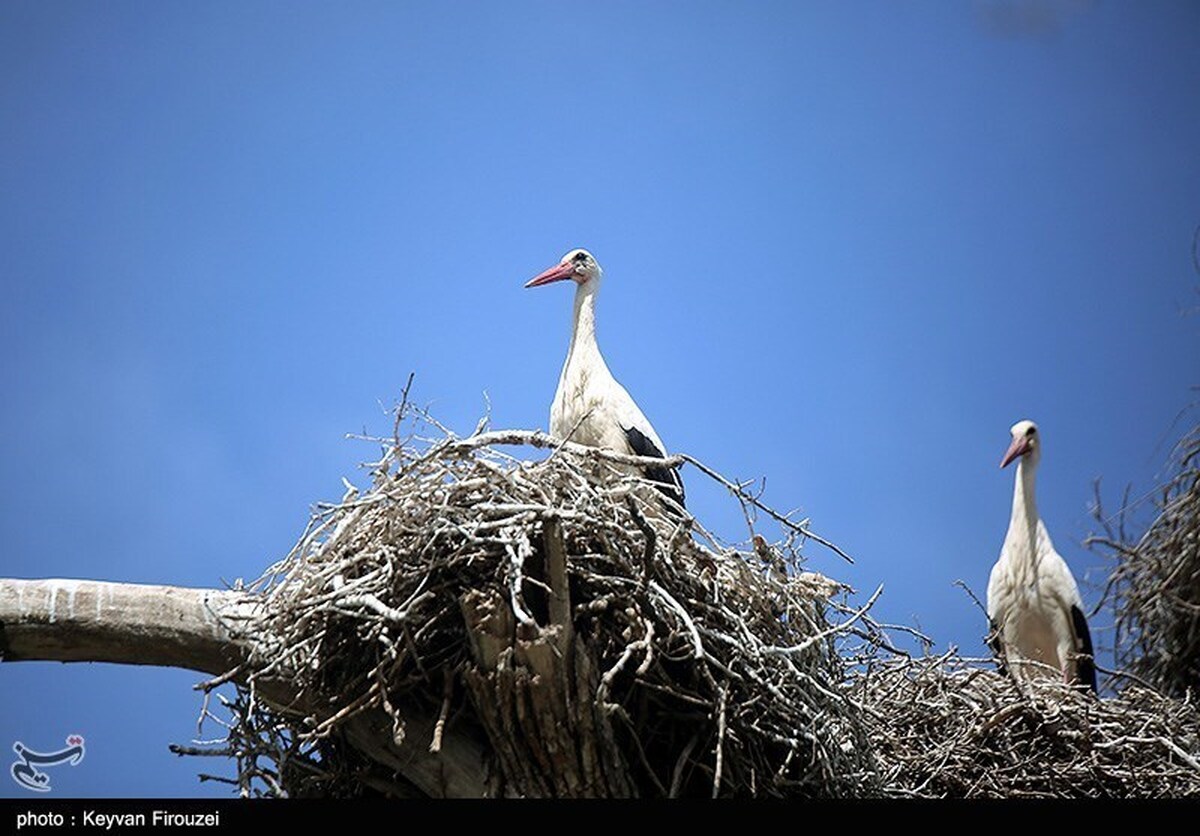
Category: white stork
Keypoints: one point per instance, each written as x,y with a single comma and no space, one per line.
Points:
590,406
1033,601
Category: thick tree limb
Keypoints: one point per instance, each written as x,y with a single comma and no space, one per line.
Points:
135,624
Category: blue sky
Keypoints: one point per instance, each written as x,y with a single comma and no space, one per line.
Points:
846,246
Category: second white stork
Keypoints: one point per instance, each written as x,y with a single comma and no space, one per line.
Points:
1038,625
590,406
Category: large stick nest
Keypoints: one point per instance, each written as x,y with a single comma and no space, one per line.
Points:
601,642
681,667
1154,588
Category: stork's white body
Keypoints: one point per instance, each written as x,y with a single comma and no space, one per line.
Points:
590,406
1033,600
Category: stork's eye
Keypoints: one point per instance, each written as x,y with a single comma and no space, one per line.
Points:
581,257
1031,431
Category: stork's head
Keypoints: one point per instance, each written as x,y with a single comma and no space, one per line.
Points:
1025,442
577,265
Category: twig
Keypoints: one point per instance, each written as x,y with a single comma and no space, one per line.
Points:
440,726
716,788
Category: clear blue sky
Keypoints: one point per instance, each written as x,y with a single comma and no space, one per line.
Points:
846,245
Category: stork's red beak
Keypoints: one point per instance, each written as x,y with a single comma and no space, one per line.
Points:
555,274
1018,448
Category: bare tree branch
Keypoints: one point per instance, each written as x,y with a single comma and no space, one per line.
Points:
136,624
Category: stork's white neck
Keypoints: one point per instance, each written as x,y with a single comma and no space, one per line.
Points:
583,333
1021,539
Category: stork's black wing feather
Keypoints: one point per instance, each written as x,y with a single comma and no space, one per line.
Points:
1085,665
641,445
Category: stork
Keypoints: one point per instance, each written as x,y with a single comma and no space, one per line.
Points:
1033,601
590,406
